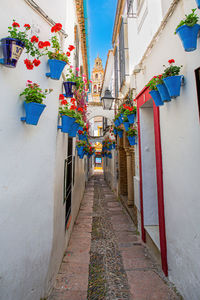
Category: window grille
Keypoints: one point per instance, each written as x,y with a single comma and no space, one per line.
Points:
116,72
121,54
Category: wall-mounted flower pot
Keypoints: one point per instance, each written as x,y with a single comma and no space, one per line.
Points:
120,133
80,150
109,155
67,123
188,36
156,97
198,3
81,156
120,119
132,140
56,67
126,125
117,122
68,85
115,131
114,146
33,112
12,50
164,94
131,118
73,130
173,84
81,137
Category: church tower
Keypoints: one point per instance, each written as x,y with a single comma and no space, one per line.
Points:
97,79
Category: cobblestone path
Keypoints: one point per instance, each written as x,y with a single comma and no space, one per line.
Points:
105,259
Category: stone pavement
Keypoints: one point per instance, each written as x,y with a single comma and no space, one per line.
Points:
105,259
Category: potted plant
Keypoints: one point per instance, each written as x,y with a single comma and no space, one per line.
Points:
130,113
126,122
77,125
116,120
120,132
33,103
172,79
131,135
57,58
109,154
68,116
153,91
188,30
80,145
162,88
69,83
14,44
113,145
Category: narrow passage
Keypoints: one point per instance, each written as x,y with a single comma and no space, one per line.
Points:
105,259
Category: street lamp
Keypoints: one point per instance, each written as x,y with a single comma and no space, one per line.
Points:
107,100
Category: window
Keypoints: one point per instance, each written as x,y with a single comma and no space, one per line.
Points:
121,54
68,170
96,76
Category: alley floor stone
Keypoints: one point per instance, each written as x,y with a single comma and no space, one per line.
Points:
105,258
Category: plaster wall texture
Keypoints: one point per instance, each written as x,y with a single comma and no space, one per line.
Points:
32,163
180,141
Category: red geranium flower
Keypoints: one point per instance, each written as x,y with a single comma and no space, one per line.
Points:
64,102
71,47
73,100
46,44
68,53
171,61
27,26
80,109
36,62
57,27
41,45
28,64
15,24
80,132
34,39
61,97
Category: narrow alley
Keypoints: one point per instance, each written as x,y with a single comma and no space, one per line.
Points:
105,258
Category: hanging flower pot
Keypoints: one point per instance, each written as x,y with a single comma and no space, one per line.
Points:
73,130
113,146
131,140
120,119
33,112
12,50
115,131
80,150
68,85
117,122
120,133
188,36
156,97
110,155
56,67
131,118
67,123
173,84
126,125
198,3
163,92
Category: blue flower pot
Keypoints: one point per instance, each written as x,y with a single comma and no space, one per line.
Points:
198,3
80,150
163,92
188,36
68,85
120,119
12,49
81,156
67,123
113,146
131,140
131,118
173,84
56,67
109,155
156,97
33,112
117,122
110,147
120,133
81,137
73,130
115,131
126,125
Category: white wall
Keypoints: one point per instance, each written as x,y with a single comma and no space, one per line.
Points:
32,168
180,139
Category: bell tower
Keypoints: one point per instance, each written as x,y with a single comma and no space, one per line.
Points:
97,79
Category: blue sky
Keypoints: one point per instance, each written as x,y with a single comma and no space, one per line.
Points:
101,15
